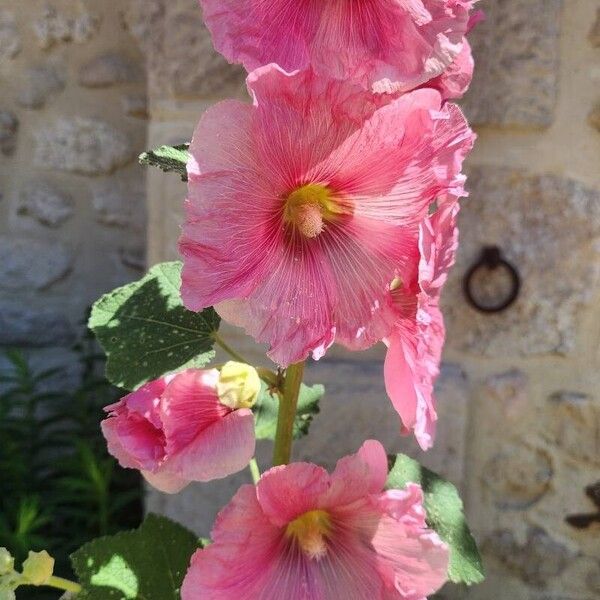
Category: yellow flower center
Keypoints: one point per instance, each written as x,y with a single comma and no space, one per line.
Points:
310,532
309,207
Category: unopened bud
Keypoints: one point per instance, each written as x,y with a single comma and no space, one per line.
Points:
38,568
238,385
7,562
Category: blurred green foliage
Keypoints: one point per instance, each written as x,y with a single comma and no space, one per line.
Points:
59,488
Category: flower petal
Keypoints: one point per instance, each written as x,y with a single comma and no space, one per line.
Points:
222,449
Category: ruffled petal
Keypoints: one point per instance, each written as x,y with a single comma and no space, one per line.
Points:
358,475
222,449
278,491
387,46
414,556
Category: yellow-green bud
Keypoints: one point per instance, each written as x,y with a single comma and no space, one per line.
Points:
238,385
7,562
38,568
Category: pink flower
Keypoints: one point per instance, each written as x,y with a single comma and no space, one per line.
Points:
415,348
303,534
303,208
386,45
176,430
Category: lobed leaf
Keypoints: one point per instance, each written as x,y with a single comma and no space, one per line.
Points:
146,331
170,159
148,563
444,514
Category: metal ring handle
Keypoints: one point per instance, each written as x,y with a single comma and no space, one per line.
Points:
491,258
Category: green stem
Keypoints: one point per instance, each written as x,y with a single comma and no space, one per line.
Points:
288,403
254,470
64,584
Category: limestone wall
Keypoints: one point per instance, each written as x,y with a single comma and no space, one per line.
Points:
72,206
520,412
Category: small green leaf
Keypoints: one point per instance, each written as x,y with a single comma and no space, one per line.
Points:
170,159
267,408
146,331
444,514
148,563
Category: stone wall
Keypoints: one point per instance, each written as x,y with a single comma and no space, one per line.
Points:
520,412
72,197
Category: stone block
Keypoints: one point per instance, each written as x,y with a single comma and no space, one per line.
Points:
573,425
21,325
28,263
181,59
108,69
516,51
536,561
40,83
518,476
10,38
135,105
9,128
545,225
52,25
43,201
119,202
81,145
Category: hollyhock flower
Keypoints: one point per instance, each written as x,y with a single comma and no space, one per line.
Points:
304,207
387,45
177,429
302,534
415,347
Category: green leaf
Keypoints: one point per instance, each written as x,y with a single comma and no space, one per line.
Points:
146,331
267,408
444,514
170,159
148,563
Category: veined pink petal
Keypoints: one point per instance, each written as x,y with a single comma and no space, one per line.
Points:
276,491
224,448
387,45
379,165
291,537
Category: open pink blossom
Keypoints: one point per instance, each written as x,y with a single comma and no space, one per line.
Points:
386,45
302,534
176,430
304,207
415,348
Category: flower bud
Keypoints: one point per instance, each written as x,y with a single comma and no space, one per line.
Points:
238,385
38,568
7,562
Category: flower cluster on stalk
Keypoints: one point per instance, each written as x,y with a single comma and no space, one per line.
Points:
323,212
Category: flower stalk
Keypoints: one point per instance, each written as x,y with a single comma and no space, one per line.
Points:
288,403
64,584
